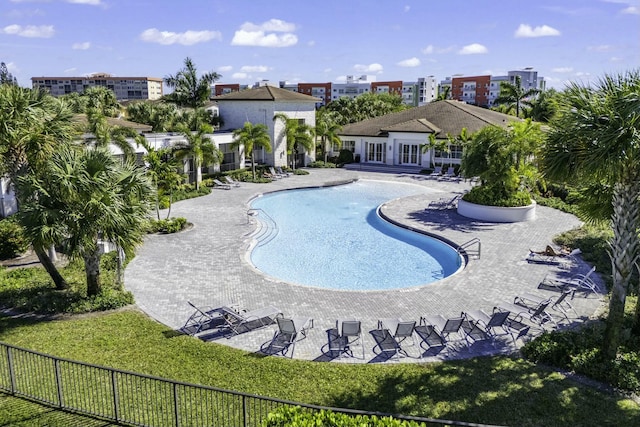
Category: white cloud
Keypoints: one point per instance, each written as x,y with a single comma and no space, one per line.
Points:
71,70
407,8
601,48
81,46
41,31
89,2
525,30
631,10
254,69
265,34
411,62
473,49
311,43
371,68
225,68
188,38
12,68
428,50
240,76
562,70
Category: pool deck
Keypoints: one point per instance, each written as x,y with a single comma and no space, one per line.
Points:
208,266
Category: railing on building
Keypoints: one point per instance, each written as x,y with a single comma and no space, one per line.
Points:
140,400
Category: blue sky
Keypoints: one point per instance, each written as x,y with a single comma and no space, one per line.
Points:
322,41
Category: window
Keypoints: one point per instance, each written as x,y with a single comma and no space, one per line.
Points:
347,145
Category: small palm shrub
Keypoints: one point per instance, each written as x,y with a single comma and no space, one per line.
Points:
321,164
297,417
12,239
167,226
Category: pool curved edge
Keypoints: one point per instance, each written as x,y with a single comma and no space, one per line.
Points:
463,254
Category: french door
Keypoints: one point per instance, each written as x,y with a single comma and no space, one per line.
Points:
376,152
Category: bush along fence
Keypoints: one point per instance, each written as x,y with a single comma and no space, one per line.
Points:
128,398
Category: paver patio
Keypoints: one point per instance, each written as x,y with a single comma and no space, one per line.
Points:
208,265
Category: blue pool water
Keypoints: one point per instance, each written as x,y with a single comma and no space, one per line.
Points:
332,237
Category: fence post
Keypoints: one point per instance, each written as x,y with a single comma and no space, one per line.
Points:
56,364
176,412
12,374
116,403
244,410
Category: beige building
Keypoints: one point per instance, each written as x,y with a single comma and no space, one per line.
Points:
124,87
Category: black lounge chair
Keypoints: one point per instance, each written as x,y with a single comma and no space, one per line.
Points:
290,331
348,334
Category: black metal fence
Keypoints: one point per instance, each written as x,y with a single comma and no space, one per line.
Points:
140,400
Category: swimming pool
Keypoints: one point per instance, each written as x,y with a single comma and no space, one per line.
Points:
332,237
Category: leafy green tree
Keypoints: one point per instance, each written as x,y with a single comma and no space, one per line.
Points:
541,107
444,93
297,134
162,171
76,102
327,129
189,90
251,137
199,148
595,138
366,106
161,117
103,134
513,94
6,78
95,197
35,125
102,100
503,159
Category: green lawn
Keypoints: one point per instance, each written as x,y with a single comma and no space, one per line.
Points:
495,390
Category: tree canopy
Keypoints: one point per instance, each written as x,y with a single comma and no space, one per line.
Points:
189,90
350,110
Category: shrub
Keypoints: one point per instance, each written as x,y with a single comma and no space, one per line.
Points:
321,164
298,417
345,156
485,195
301,172
12,239
167,226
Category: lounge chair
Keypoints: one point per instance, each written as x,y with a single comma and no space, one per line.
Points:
282,173
232,181
551,256
398,331
493,325
243,321
275,174
475,332
445,203
430,336
560,304
447,328
202,318
578,283
220,184
290,331
537,315
348,334
437,171
450,173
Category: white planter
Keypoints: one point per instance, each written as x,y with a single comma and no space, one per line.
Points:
496,213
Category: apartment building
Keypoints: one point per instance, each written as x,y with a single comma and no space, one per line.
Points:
483,90
125,88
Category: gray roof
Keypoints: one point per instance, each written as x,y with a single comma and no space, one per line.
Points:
266,93
440,117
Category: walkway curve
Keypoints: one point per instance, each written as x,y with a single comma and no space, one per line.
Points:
208,265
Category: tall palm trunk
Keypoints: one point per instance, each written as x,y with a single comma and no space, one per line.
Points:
92,270
50,267
624,254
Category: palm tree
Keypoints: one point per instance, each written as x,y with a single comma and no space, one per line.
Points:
596,138
34,126
188,89
161,170
198,147
157,115
104,134
96,197
250,137
103,100
444,94
297,134
542,107
327,129
514,94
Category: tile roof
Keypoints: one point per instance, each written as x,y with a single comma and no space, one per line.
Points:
266,93
441,117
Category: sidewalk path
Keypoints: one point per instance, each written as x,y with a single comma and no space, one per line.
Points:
208,266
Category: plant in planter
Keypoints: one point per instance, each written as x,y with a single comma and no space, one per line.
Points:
503,160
